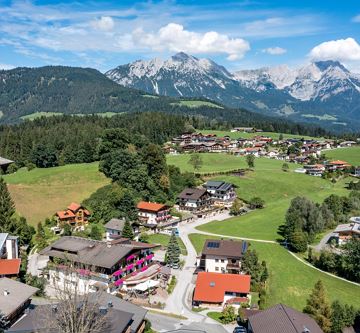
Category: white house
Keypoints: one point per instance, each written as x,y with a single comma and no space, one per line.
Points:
114,228
153,214
194,199
9,246
222,256
222,193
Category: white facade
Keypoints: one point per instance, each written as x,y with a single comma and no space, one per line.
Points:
9,246
218,264
150,216
110,233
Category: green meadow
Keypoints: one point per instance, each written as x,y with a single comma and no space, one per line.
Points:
267,181
350,155
236,135
39,193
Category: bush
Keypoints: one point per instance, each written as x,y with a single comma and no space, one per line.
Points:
12,168
30,166
256,202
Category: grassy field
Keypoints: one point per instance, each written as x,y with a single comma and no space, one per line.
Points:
163,240
35,115
39,193
267,181
196,104
290,281
236,135
350,155
212,162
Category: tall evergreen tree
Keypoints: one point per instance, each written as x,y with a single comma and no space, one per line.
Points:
318,307
172,256
7,207
127,230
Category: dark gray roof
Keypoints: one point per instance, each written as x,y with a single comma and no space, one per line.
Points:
115,224
283,319
214,183
120,304
5,161
89,252
192,193
35,319
18,293
226,248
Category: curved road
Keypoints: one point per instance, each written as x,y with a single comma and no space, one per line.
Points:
179,302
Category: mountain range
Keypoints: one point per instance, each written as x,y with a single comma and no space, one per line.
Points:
28,93
323,92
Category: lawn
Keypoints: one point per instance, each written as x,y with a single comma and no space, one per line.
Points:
350,155
39,193
267,181
163,240
290,281
196,104
212,162
35,115
236,135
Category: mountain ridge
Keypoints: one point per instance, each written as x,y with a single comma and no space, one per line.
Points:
324,91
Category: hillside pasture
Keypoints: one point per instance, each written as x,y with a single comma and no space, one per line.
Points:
350,155
236,135
39,193
196,104
267,181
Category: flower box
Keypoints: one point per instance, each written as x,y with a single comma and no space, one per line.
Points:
117,273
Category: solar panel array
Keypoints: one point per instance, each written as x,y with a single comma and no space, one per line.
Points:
213,245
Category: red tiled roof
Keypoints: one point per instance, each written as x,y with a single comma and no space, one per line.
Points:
9,266
150,206
74,206
211,287
64,214
338,162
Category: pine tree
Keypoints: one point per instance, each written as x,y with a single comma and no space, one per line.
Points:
127,230
317,306
7,207
172,256
41,237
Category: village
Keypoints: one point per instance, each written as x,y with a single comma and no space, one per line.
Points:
129,273
310,153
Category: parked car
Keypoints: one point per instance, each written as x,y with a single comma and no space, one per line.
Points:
240,329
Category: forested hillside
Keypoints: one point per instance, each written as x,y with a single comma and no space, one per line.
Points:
71,90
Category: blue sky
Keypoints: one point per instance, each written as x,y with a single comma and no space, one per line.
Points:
236,34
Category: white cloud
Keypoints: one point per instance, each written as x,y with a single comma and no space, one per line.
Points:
356,18
342,49
274,50
105,23
173,37
6,66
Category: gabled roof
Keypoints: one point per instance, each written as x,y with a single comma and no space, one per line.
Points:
224,247
18,293
9,266
5,161
115,224
192,193
74,206
339,162
151,206
211,287
283,319
90,252
65,214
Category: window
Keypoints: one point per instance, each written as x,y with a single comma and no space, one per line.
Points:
222,260
216,260
216,269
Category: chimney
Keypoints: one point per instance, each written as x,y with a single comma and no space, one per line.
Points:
6,292
110,304
108,244
306,330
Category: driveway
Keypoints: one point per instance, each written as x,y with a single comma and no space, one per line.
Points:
323,243
179,302
36,263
